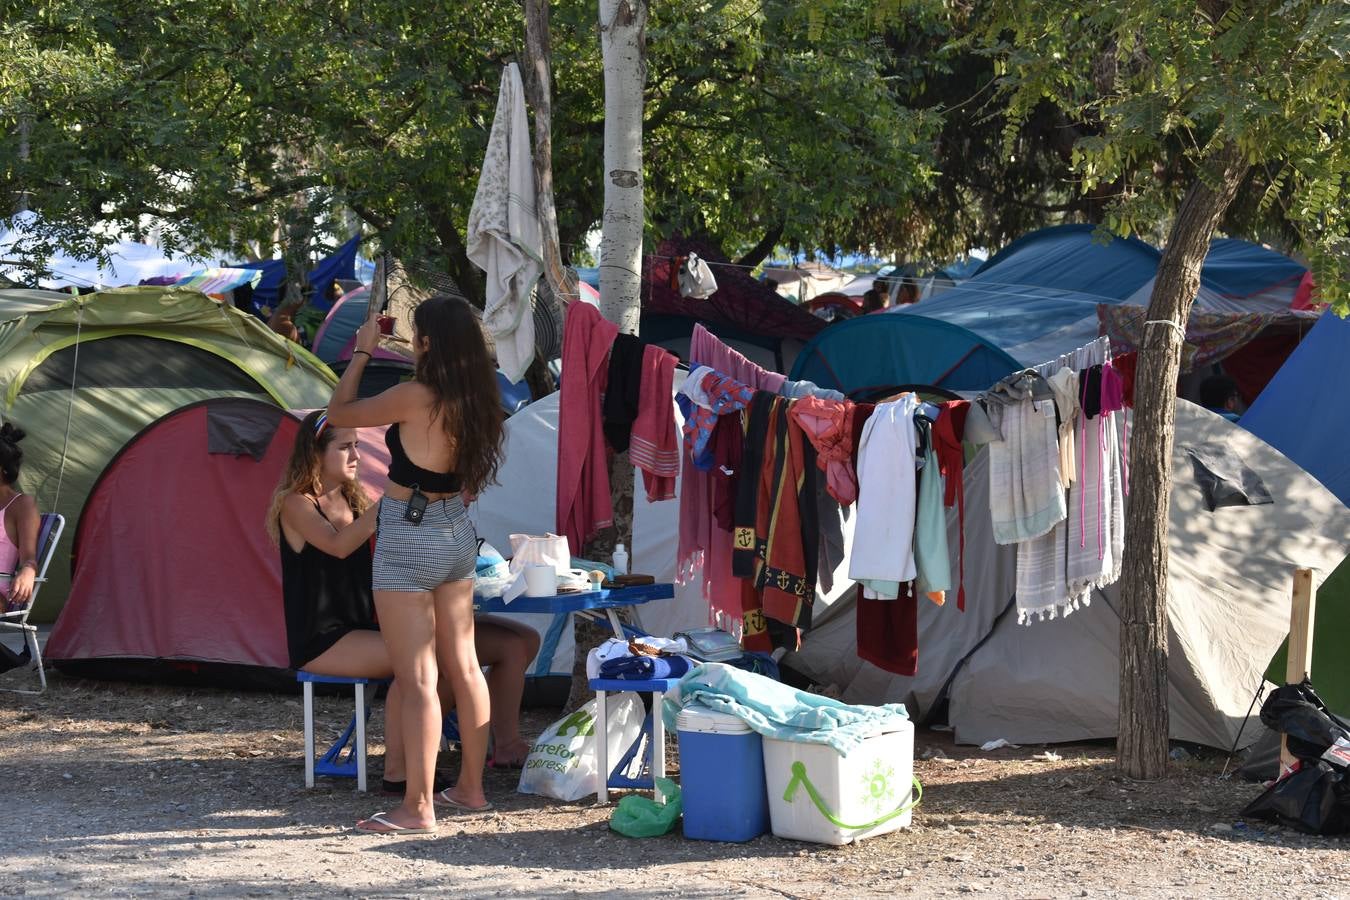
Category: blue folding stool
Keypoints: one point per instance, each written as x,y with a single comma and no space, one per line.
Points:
352,740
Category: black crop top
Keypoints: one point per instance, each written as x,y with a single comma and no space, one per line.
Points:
403,471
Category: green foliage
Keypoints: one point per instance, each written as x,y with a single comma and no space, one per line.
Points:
1162,84
228,121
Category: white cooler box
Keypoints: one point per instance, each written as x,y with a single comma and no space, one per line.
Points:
817,795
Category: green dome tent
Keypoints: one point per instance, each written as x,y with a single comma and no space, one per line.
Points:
82,375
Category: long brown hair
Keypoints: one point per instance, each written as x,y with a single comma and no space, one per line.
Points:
304,473
459,371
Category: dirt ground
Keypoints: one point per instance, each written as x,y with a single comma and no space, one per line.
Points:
126,790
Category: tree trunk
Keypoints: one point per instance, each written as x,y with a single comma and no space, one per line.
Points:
623,45
1143,727
622,42
539,91
466,275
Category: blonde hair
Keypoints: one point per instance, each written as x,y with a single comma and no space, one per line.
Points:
304,473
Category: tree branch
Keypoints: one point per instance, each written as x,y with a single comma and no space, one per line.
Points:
757,253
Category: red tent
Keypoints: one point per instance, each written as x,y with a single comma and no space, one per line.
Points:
740,301
172,574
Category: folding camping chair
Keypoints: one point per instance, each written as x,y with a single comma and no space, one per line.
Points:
49,534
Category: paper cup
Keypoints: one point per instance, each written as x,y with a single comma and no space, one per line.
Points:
541,581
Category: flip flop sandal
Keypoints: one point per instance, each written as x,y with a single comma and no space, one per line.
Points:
443,798
517,765
392,828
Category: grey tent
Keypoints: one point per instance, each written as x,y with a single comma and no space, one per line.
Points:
1228,595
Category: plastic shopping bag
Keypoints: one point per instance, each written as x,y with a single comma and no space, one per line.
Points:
563,763
638,817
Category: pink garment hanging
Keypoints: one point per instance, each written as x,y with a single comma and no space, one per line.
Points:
1114,400
583,501
655,446
706,350
827,424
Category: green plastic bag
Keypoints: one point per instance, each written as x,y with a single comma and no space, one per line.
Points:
639,817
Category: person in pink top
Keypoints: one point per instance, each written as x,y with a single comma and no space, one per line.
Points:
18,537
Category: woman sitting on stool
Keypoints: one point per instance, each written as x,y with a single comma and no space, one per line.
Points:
322,522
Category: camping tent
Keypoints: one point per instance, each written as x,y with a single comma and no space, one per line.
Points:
1228,601
205,590
1239,276
744,313
803,281
341,324
879,351
216,611
1038,297
1304,411
83,375
1305,414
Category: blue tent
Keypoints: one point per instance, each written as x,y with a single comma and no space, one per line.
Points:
880,351
1238,268
1037,298
343,319
1305,414
1071,258
1305,411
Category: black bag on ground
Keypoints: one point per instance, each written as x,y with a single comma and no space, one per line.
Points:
1297,712
11,660
1316,798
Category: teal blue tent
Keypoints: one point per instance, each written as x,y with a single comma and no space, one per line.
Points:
881,351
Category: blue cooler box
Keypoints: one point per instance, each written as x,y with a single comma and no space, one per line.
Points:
721,777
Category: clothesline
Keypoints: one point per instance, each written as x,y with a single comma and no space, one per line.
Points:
763,548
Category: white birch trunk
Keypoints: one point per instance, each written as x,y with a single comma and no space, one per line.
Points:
623,26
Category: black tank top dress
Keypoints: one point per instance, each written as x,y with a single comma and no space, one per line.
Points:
325,597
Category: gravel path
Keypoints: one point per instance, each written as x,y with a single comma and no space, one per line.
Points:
123,790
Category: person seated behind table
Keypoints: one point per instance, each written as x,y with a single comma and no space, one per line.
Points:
322,522
1219,394
19,522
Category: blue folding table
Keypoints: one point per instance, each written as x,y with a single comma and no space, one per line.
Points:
603,605
598,605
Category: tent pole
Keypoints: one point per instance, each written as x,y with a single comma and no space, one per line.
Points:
1299,665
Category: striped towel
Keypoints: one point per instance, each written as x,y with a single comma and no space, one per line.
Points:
218,281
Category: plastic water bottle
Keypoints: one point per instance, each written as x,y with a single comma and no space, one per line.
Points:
620,560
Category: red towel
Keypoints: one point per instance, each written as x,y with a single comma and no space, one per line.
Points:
655,445
583,502
947,434
888,632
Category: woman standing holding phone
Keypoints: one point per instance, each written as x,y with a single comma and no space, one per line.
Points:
445,445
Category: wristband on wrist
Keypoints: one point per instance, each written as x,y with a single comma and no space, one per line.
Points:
366,352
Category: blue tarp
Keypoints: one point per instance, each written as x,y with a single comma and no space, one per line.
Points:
1070,258
1305,410
1037,298
342,264
1239,268
879,351
267,290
